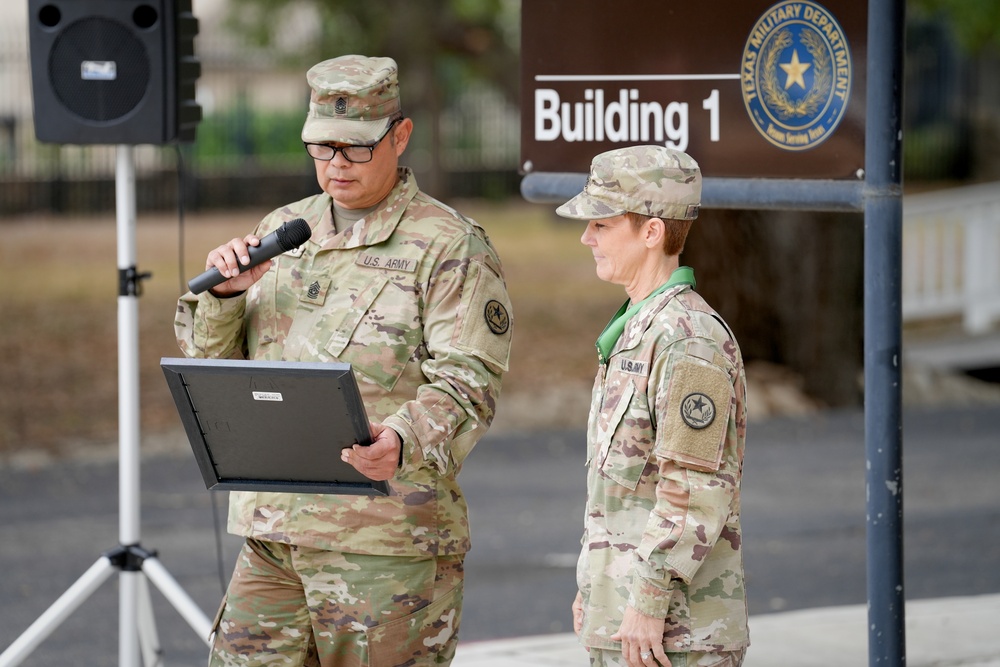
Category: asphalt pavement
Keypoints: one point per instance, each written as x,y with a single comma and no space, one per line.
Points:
804,536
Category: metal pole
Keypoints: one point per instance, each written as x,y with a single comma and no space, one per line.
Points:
135,606
723,193
128,400
883,348
128,351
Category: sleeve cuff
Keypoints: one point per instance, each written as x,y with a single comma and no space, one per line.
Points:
651,597
221,305
409,454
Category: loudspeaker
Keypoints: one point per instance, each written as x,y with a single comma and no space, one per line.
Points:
113,71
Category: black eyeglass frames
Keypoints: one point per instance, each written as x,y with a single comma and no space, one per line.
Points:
358,154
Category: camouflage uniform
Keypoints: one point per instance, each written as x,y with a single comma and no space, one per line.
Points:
607,658
413,296
665,442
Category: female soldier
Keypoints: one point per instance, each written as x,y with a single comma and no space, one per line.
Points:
660,575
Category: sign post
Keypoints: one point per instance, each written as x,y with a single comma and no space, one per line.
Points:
883,349
791,105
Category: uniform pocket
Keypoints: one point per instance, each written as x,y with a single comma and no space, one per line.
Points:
417,640
628,438
379,333
360,303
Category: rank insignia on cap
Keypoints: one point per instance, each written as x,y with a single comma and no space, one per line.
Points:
697,410
497,318
340,106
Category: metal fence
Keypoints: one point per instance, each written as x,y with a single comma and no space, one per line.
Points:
247,149
950,120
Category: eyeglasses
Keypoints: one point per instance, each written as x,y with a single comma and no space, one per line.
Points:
354,153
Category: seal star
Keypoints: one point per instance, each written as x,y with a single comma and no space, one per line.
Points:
795,70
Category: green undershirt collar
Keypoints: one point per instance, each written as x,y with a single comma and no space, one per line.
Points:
682,275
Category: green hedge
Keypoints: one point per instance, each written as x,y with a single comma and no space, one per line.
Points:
230,138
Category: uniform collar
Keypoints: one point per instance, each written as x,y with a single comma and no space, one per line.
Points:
681,277
374,228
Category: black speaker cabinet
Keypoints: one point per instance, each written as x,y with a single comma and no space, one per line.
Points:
113,71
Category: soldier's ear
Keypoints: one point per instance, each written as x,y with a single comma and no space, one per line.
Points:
401,135
654,231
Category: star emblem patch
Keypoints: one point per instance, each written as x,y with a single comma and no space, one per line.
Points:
496,316
697,410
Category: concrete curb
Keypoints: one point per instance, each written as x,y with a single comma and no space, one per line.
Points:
946,632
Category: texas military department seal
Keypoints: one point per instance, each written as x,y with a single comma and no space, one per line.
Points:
796,75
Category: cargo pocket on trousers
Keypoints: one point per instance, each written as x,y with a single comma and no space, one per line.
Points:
417,639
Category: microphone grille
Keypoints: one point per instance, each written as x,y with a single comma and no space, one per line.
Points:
293,233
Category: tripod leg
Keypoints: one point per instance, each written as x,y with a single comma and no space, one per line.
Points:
57,612
184,605
149,639
128,611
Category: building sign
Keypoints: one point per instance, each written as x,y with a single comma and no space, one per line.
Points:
749,89
794,101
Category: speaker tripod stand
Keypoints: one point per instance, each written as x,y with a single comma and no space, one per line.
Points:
137,638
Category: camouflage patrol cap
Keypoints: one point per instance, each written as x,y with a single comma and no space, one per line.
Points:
651,180
353,99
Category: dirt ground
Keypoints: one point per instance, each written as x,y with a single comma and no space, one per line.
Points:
59,308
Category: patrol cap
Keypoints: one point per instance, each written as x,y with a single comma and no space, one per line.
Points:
652,180
353,99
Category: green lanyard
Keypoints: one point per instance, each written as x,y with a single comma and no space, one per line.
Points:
683,275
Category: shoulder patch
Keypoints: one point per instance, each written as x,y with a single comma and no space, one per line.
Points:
699,399
485,323
497,317
698,410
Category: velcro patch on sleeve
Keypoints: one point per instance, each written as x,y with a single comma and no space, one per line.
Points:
486,324
699,399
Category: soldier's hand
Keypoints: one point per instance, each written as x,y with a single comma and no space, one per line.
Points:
229,259
578,614
379,460
642,639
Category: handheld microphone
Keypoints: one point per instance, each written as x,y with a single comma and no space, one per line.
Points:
290,235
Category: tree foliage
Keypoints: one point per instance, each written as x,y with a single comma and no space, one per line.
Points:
456,41
442,47
975,23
